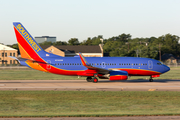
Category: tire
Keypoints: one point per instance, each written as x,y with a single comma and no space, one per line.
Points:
151,80
95,80
89,79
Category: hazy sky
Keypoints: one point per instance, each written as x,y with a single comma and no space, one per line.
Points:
81,19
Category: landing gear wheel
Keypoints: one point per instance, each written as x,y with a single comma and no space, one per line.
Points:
150,80
95,80
89,79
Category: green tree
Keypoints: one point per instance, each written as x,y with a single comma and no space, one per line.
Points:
73,41
124,37
15,46
93,41
87,42
60,43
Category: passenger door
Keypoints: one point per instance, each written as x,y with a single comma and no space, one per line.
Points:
150,64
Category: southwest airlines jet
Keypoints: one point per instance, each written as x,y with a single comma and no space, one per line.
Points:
112,68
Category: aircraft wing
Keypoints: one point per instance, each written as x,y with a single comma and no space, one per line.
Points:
87,65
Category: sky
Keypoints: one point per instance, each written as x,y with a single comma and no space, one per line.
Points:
81,19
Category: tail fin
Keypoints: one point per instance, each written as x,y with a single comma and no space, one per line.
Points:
29,48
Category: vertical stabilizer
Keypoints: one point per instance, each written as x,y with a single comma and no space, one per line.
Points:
29,48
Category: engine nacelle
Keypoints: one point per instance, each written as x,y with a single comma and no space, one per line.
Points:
118,75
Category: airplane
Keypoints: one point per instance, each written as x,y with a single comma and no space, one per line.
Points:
112,68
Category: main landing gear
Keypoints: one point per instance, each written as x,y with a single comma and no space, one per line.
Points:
90,79
95,80
150,79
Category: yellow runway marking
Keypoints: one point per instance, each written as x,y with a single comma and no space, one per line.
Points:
152,90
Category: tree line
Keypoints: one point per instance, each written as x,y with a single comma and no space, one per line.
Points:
124,45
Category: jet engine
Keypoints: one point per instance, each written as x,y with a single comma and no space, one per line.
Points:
118,75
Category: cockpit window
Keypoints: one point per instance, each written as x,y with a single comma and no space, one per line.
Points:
159,63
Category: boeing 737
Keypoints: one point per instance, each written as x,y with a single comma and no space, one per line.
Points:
112,68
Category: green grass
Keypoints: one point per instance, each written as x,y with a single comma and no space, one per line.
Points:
88,103
33,75
174,73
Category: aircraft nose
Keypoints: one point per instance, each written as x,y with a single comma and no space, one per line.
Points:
166,68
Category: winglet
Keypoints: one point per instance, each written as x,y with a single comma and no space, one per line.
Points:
87,65
83,60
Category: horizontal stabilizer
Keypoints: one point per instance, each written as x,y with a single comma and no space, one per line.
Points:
14,57
24,59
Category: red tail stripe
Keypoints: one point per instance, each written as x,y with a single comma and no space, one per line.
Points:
27,47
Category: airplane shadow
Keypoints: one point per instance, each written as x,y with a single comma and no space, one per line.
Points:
100,81
140,81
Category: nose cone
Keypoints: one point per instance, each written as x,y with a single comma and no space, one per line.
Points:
166,68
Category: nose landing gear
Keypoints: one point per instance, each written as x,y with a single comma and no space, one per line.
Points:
150,79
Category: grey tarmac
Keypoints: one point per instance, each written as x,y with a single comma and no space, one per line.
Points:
83,85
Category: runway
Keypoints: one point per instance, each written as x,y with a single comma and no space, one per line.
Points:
83,85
